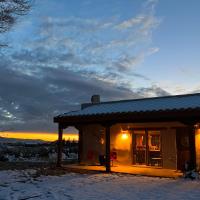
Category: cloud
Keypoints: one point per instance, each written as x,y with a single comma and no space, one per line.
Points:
96,43
29,101
152,91
130,23
126,62
144,22
32,100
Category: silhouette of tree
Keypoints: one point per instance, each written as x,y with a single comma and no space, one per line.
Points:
9,12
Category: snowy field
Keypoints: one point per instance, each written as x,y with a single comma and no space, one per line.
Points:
22,185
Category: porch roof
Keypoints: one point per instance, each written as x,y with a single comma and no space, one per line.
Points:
136,107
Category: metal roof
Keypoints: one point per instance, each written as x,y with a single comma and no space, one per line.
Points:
178,102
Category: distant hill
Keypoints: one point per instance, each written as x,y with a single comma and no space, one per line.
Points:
20,141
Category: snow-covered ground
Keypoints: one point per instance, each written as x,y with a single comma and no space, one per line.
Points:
22,185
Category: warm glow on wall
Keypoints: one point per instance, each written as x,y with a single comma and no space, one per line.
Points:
197,145
122,140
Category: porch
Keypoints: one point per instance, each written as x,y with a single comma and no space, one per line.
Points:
135,170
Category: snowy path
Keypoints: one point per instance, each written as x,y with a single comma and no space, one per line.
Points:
20,185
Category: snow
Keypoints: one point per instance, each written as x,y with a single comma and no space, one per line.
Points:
25,185
191,101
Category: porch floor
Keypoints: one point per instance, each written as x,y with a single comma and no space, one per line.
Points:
136,170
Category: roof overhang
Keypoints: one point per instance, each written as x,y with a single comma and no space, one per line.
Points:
183,115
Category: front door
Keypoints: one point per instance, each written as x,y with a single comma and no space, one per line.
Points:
147,148
139,148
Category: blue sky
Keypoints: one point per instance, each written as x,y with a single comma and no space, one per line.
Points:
63,52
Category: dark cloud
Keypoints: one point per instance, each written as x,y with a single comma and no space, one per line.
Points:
28,101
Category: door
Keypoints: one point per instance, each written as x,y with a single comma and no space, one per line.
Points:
154,148
139,148
183,147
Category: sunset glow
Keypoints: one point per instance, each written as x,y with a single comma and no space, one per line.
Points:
38,136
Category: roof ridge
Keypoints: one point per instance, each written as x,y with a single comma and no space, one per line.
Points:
148,98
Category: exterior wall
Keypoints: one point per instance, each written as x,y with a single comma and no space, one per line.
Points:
169,153
197,144
93,144
124,147
183,147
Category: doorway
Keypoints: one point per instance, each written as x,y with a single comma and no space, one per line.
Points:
147,147
139,148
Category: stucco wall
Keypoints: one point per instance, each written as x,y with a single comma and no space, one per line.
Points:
197,141
121,146
93,144
169,153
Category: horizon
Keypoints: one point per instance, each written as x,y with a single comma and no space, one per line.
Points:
50,137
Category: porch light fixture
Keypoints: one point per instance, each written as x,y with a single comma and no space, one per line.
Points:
124,135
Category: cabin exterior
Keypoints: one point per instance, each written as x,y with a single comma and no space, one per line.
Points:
160,132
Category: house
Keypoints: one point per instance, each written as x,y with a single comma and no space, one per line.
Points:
159,132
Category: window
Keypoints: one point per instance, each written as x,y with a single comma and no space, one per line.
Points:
154,140
154,143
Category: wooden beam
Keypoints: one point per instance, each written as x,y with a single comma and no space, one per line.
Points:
60,145
107,127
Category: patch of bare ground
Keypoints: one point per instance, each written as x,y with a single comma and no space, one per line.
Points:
45,169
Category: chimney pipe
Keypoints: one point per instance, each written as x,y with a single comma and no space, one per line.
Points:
95,99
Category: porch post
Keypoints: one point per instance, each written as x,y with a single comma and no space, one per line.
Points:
60,136
107,127
192,146
80,145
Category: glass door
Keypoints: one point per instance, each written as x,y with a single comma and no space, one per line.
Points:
139,148
154,146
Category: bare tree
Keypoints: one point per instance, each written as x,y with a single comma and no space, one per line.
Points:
10,10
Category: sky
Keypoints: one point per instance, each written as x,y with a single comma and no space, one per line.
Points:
63,52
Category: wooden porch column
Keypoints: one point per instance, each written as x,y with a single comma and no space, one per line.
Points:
107,127
192,146
60,145
80,145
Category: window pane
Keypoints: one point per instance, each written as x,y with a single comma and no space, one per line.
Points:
154,143
154,140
